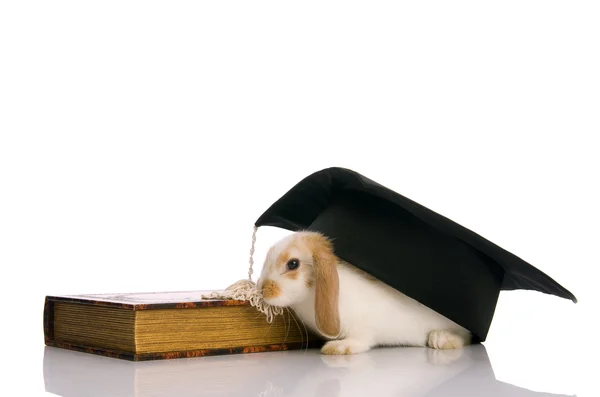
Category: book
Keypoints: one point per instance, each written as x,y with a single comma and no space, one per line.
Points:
166,325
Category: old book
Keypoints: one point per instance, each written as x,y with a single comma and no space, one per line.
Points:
153,326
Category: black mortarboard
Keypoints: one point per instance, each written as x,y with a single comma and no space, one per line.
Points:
422,254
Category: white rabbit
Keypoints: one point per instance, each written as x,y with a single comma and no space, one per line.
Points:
345,305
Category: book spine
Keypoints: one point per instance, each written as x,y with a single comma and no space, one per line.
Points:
48,321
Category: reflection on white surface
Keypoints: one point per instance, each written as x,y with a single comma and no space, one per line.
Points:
405,372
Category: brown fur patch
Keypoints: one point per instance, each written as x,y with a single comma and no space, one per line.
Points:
271,289
334,350
326,284
329,350
293,274
283,258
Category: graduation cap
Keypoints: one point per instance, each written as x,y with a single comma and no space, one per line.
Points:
415,250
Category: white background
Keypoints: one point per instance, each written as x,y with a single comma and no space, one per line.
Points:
140,140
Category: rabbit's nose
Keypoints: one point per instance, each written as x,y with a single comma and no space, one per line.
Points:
271,289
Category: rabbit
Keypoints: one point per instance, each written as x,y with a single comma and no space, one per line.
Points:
351,310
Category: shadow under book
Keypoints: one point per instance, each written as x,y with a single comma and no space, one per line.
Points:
166,325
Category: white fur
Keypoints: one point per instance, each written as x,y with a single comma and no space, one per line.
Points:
371,312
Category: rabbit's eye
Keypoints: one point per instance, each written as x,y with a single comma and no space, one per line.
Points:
293,264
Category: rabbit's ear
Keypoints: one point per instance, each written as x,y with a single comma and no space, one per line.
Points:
326,286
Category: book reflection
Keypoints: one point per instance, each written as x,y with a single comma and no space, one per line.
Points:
413,372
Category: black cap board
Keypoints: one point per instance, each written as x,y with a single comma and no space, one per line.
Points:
415,250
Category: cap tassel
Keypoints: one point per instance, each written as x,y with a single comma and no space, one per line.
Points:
245,290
